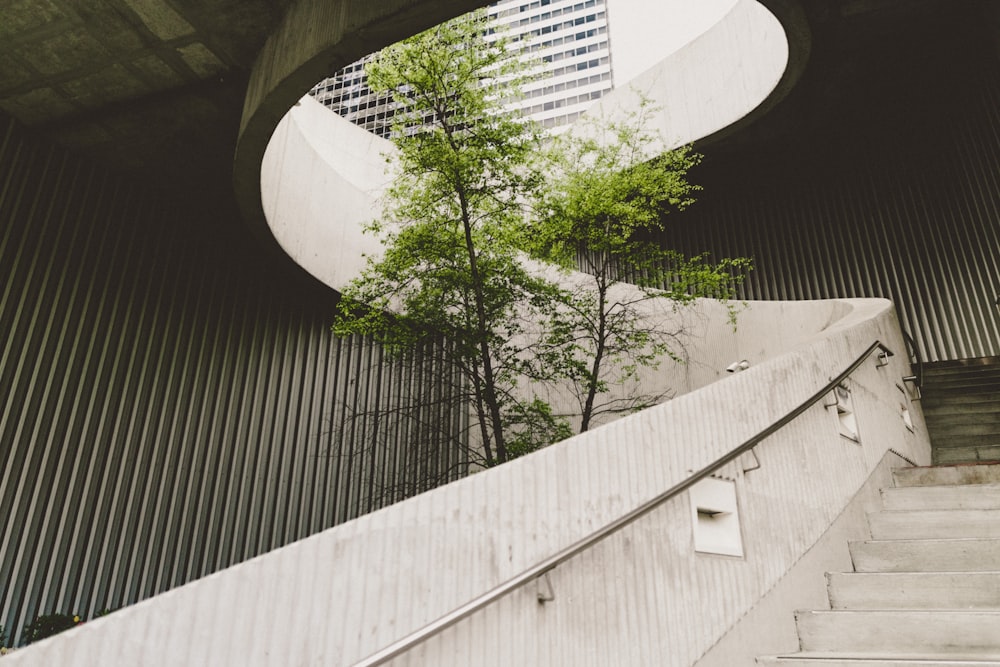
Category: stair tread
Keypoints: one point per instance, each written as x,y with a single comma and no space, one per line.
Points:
966,454
966,554
942,496
951,474
914,660
941,632
964,418
931,523
932,590
928,540
936,399
873,655
956,435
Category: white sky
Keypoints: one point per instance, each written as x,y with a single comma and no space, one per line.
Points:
643,32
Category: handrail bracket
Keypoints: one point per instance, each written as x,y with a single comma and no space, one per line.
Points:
547,595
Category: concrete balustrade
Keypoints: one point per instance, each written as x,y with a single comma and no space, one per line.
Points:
640,597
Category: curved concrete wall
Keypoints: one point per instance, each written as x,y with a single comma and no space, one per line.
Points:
315,38
713,82
321,180
339,596
320,176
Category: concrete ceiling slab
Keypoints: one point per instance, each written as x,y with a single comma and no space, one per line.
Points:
147,84
115,79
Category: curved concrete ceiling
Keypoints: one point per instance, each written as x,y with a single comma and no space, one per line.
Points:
317,37
318,180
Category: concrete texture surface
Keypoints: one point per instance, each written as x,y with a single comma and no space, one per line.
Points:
627,600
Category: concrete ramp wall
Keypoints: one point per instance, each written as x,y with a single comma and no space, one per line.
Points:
643,596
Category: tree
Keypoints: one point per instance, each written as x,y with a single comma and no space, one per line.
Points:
451,266
609,192
467,208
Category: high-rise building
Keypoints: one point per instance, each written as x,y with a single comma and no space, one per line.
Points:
569,38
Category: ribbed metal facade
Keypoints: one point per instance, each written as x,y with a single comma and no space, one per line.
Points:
907,208
166,410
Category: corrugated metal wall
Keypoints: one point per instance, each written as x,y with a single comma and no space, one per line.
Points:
166,411
907,208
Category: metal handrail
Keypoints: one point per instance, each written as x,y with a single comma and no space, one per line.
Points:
916,363
406,643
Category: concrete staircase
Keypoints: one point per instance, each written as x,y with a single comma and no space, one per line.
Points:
925,590
961,403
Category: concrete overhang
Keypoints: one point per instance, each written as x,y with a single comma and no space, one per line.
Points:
171,90
319,178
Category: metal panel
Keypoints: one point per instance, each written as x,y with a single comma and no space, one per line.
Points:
166,411
924,233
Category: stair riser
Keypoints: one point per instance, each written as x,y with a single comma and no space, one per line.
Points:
931,590
948,455
944,431
951,389
926,556
961,411
889,633
952,365
835,662
934,524
983,419
984,496
958,440
971,376
934,379
962,474
977,401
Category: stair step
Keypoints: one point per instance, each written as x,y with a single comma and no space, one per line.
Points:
947,474
966,496
934,524
932,375
934,400
937,429
939,555
914,590
970,385
971,362
968,454
983,419
971,409
966,377
926,588
887,634
825,660
985,366
958,440
963,376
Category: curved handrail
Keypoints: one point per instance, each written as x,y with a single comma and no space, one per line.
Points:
400,646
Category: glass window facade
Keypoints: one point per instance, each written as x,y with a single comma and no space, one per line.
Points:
569,38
